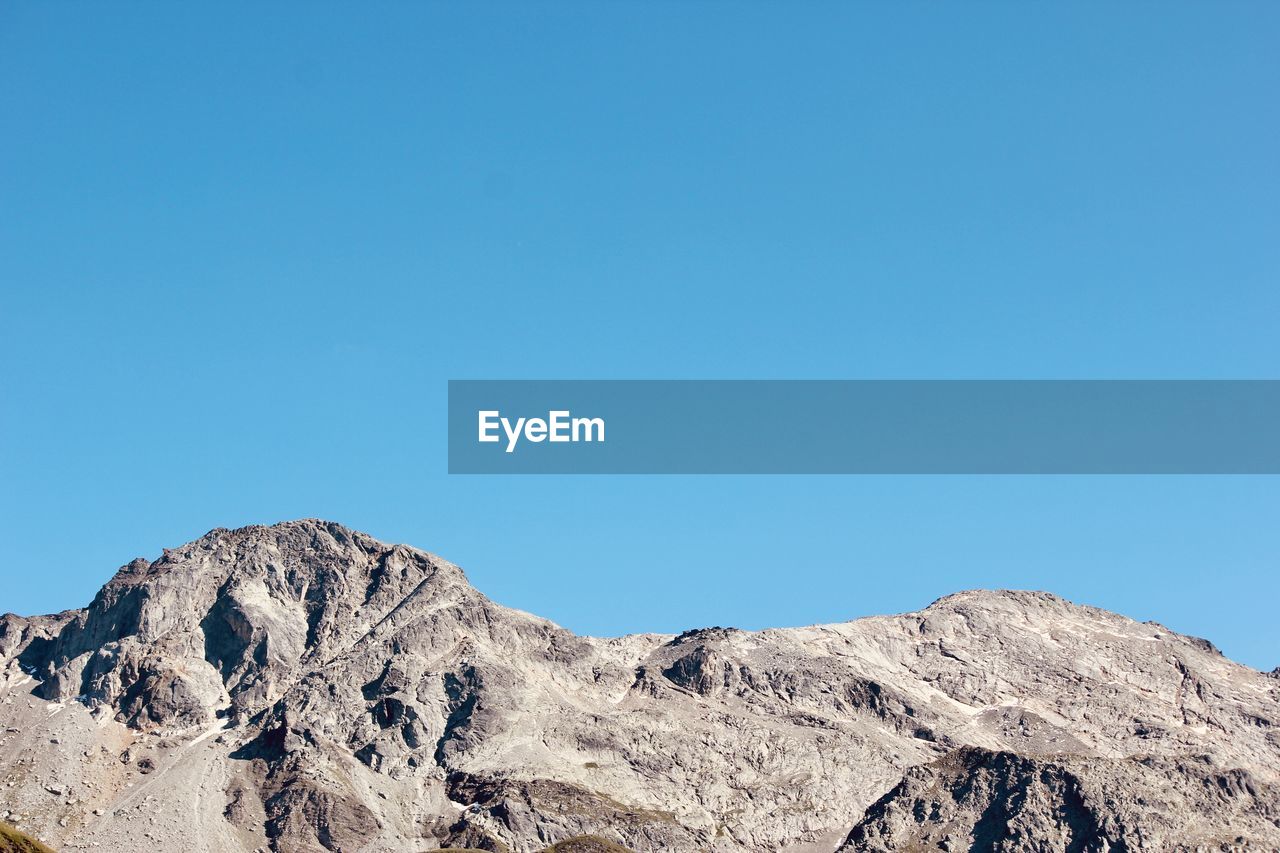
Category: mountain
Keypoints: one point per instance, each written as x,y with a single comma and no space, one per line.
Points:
304,687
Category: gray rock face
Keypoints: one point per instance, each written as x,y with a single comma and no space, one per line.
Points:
304,687
975,799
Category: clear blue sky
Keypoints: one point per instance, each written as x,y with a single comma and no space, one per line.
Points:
242,249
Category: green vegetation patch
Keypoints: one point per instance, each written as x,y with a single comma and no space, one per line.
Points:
12,841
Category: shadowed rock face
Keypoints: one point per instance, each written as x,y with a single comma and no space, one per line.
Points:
975,799
304,687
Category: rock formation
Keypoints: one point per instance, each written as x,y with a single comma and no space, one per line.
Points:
304,687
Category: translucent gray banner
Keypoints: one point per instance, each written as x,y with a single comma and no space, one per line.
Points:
864,427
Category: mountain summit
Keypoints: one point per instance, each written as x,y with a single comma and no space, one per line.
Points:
304,687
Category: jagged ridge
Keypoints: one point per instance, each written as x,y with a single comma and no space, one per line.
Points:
310,688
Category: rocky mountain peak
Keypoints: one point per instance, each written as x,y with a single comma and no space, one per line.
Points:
228,620
305,687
